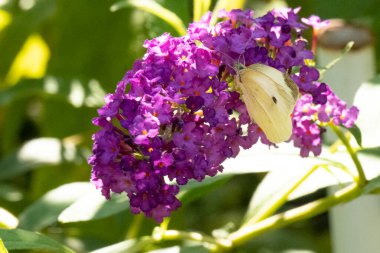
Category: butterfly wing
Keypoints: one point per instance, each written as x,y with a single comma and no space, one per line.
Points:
269,102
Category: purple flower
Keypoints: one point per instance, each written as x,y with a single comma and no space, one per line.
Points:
183,117
315,22
310,117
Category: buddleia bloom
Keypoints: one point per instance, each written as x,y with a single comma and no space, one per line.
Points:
176,116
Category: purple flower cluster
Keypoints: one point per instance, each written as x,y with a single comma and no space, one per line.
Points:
175,123
176,117
309,119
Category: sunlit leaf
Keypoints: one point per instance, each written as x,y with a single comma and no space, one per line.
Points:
274,189
200,8
18,239
7,220
46,210
130,246
369,115
35,153
182,249
93,206
5,19
31,60
2,247
286,158
16,33
156,9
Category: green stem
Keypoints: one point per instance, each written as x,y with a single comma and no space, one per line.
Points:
135,226
300,213
213,244
359,168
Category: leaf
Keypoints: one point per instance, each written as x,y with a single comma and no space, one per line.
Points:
35,153
369,115
2,247
7,220
156,9
260,159
18,239
182,249
194,190
130,246
15,34
200,8
273,191
355,131
10,193
373,186
46,210
371,151
73,91
94,206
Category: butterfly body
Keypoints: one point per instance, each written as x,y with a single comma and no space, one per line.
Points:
270,97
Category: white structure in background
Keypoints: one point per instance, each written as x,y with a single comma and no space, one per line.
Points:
355,226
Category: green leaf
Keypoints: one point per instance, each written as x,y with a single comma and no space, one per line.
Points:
35,153
18,239
75,92
373,186
156,9
10,193
371,151
273,191
369,115
182,249
130,246
2,247
194,190
355,131
24,23
46,210
7,219
261,159
94,206
200,8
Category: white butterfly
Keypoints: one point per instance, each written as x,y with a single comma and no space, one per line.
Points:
270,97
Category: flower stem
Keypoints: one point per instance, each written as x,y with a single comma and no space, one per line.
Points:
135,226
359,168
214,244
300,213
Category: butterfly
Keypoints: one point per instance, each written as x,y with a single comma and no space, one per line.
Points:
270,97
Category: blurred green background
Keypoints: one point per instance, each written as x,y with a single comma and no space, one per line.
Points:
58,58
